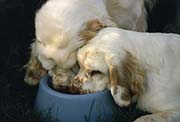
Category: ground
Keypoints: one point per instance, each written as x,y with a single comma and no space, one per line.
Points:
16,35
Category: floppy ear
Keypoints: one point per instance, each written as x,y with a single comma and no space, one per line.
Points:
113,77
92,27
114,74
134,74
126,73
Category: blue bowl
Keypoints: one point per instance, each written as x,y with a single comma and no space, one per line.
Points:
61,107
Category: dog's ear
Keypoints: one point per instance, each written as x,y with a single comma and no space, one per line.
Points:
116,80
126,73
113,77
134,74
92,27
114,74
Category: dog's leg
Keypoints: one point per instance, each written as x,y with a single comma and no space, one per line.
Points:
160,117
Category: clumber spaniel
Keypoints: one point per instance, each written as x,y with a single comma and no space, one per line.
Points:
136,67
58,25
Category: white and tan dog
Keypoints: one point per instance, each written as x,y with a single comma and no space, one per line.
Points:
135,66
58,25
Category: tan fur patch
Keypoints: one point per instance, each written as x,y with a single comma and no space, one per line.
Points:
92,27
114,77
34,71
130,76
87,35
115,80
134,75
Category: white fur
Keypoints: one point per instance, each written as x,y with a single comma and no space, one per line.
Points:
59,22
158,53
128,14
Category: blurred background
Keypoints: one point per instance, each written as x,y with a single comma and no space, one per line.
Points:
16,35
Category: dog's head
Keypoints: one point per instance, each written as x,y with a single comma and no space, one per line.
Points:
93,73
58,54
100,70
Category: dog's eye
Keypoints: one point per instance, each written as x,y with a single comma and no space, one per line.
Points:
95,72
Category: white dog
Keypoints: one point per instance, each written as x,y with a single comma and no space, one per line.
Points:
135,66
58,24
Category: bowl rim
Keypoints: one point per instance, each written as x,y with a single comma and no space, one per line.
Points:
44,85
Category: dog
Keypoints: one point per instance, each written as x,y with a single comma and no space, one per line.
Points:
58,25
135,67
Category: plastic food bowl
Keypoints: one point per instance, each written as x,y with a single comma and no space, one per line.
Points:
61,107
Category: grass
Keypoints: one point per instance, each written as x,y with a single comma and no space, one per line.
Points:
16,34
